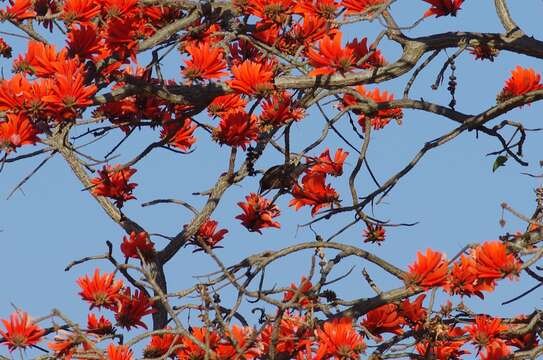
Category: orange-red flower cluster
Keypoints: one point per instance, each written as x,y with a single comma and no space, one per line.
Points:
313,192
338,339
324,164
119,352
225,103
132,307
443,7
384,319
470,275
101,326
494,261
113,182
430,270
379,118
374,234
302,293
18,10
280,109
252,78
208,234
324,9
137,245
485,333
20,332
484,52
16,131
294,336
522,81
207,62
100,290
179,134
446,347
236,128
332,57
258,213
361,6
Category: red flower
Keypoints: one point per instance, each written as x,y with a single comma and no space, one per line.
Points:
161,344
41,59
379,119
464,279
271,10
280,109
82,11
236,128
121,37
429,270
521,82
225,103
251,78
20,331
180,134
339,339
331,57
496,351
326,166
360,50
69,93
136,244
34,103
207,235
65,344
16,132
361,6
384,319
207,62
303,293
293,335
306,33
325,9
493,261
374,234
131,308
120,352
190,350
444,348
84,41
113,183
13,93
443,7
313,192
101,326
413,312
258,213
19,10
484,52
119,8
100,290
485,331
243,338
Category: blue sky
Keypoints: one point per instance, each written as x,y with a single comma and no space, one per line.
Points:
452,194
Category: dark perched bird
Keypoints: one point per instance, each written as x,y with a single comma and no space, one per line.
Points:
281,177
